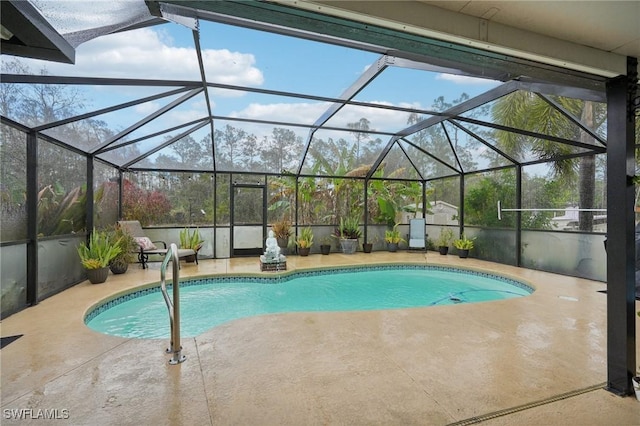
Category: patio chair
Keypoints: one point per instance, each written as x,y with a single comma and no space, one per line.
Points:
417,234
148,247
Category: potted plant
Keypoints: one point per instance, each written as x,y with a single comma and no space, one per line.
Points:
443,241
190,240
348,232
128,245
305,241
325,245
282,231
367,246
392,238
96,255
463,244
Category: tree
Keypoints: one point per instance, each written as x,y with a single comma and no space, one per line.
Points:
228,147
539,191
250,156
223,199
12,94
482,195
528,111
36,104
359,128
281,151
336,159
148,206
281,198
191,154
447,190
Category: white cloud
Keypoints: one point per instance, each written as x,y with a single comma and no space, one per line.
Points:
190,111
147,108
380,119
176,118
307,113
148,54
463,79
302,112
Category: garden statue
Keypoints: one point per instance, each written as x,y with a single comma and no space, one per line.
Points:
272,252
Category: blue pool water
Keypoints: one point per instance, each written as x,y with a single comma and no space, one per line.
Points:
206,303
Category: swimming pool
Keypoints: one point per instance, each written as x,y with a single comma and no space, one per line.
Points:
208,302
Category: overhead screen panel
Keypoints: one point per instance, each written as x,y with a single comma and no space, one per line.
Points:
435,141
272,129
396,165
191,152
337,153
132,150
279,62
144,53
252,147
62,102
368,118
473,154
421,89
249,106
524,149
427,166
90,133
548,115
169,115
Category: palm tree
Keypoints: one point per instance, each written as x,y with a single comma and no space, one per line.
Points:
525,110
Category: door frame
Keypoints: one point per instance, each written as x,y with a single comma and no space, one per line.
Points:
247,252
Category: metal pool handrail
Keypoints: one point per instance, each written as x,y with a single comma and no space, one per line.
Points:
174,307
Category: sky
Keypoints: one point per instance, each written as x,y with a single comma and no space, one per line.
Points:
239,56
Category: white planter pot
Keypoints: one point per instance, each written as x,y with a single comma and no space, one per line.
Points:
636,386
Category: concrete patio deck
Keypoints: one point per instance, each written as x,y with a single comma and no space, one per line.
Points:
543,357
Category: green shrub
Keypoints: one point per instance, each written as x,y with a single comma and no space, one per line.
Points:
190,240
102,248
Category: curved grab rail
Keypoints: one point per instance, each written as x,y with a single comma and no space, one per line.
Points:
174,307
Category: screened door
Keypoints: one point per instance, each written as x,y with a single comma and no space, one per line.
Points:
248,214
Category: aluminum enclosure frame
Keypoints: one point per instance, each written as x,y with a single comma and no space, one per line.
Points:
620,94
